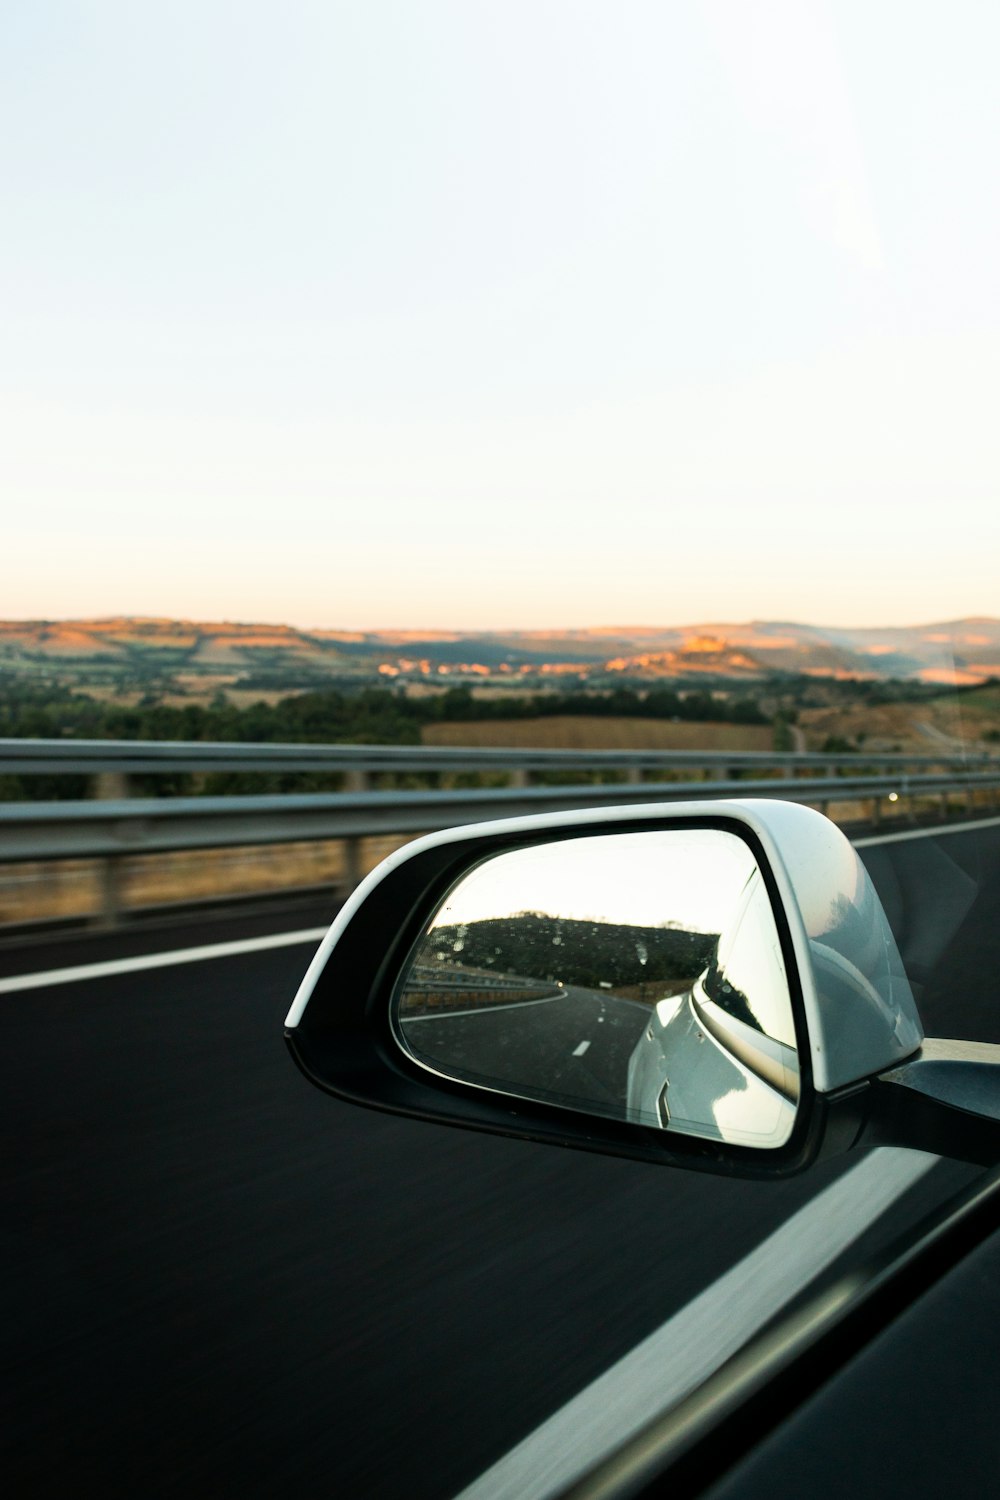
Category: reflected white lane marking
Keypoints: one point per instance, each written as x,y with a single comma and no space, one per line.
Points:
579,1051
158,960
484,1010
692,1344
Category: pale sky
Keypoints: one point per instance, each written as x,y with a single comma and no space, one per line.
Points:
473,313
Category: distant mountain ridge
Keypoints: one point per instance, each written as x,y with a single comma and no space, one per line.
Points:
952,652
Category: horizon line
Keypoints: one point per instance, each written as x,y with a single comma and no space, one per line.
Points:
480,630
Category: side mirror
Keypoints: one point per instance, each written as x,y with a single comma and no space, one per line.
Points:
711,985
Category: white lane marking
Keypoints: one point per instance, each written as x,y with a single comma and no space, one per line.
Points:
158,960
579,1051
692,1344
925,833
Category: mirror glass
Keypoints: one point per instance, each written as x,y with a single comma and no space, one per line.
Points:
631,975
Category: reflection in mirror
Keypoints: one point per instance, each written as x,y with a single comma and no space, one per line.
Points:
631,975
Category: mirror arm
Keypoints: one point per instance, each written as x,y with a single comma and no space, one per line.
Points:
945,1100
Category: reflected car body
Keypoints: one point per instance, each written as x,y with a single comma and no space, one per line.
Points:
720,1060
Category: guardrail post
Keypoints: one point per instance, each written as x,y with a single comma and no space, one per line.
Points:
352,865
876,812
633,775
109,893
357,781
110,786
520,777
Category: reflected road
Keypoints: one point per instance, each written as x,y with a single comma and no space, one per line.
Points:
575,1046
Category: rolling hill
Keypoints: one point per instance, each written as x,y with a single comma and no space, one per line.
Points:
135,651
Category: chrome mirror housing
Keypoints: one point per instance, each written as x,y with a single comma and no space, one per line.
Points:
708,984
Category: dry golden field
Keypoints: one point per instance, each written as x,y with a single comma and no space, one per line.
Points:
70,889
572,732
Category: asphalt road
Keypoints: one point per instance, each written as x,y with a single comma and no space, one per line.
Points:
217,1280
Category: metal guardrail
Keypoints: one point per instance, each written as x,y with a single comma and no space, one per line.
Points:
111,828
26,757
78,830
